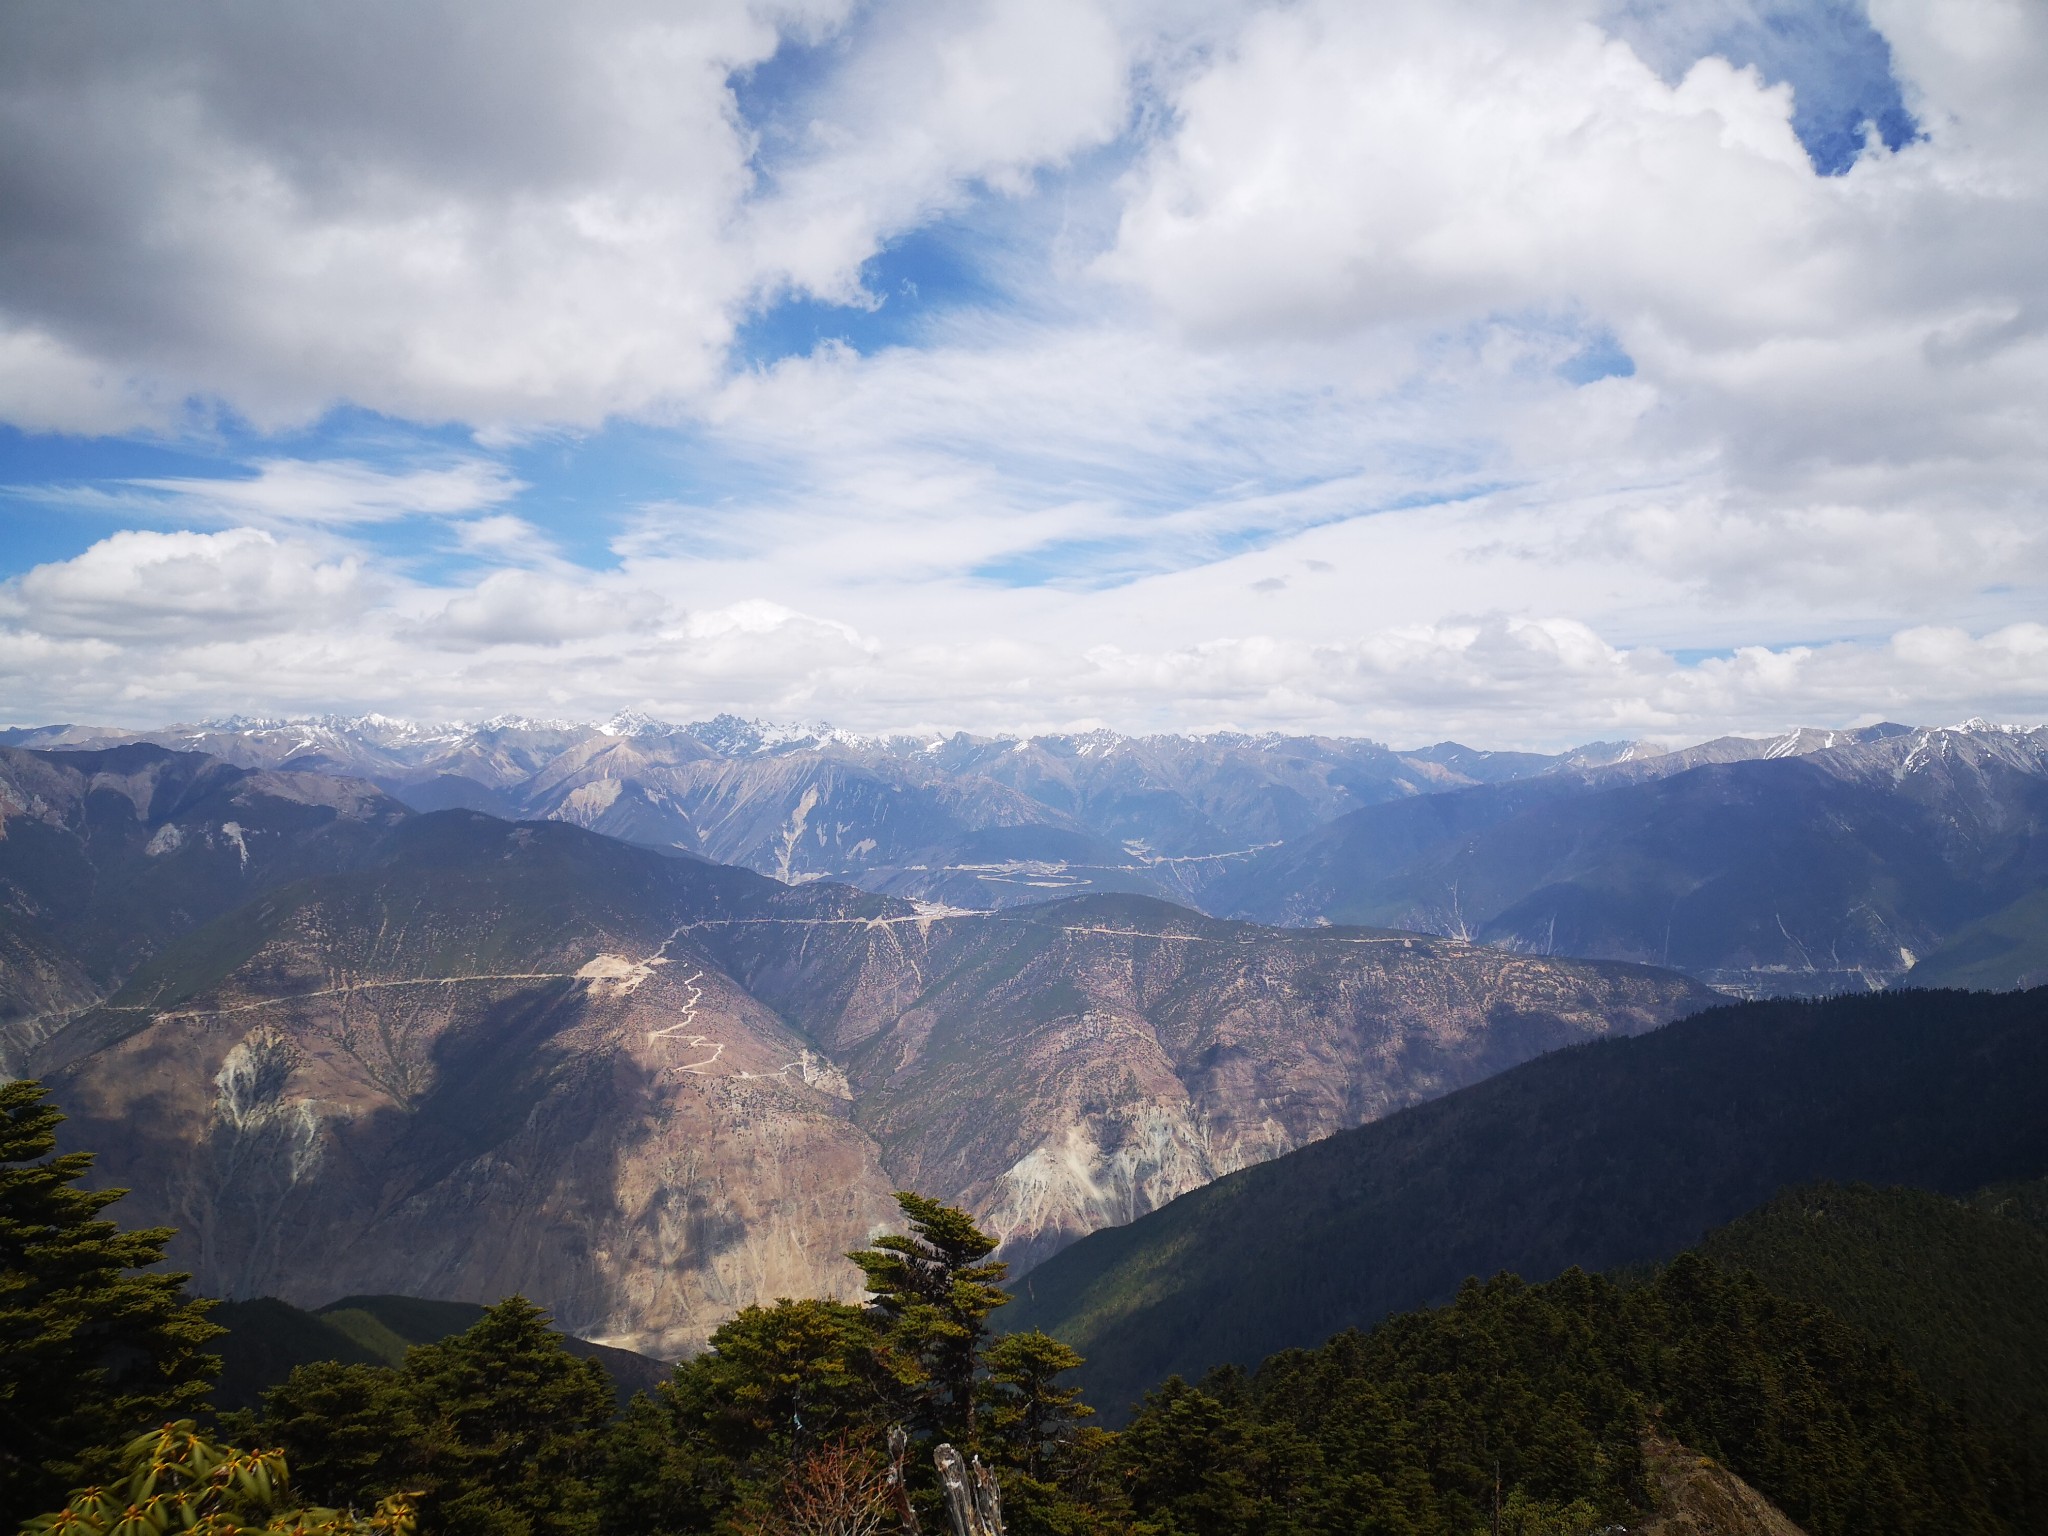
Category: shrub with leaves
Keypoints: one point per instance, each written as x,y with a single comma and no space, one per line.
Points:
176,1481
838,1488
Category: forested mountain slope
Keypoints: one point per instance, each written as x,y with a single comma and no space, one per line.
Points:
1581,1406
1615,1153
1958,1289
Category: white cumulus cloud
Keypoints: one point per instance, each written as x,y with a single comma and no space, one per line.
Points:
1432,365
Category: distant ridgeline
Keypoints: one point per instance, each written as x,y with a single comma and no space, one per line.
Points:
1813,862
266,1339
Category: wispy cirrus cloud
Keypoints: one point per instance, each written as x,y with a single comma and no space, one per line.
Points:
283,493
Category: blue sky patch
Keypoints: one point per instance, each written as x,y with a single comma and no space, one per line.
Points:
912,280
1838,65
1602,357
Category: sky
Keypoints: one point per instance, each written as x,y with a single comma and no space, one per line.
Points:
1520,371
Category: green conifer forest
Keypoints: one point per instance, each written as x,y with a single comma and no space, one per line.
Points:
1865,1360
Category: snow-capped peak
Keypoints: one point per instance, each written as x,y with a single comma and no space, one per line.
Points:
1977,725
634,722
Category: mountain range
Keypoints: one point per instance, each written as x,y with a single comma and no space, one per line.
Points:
966,820
1231,1042
1812,862
1813,868
345,1040
346,1046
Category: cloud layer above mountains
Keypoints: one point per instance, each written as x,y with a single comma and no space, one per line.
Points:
1528,371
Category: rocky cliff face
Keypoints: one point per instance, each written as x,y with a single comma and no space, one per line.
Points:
648,1090
1072,1066
1693,1495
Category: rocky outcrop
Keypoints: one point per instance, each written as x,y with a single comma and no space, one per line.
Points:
1694,1496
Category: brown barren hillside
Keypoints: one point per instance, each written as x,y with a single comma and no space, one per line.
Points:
648,1091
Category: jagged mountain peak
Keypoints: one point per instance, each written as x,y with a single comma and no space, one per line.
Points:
1977,725
732,736
634,722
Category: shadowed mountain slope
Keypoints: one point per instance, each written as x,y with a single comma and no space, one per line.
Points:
1615,1153
107,856
1828,871
267,1339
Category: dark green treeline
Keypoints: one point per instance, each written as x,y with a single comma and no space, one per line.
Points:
1540,1396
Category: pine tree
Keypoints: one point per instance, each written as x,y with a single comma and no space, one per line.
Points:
1028,1414
352,1432
799,1371
499,1429
92,1350
777,1384
935,1288
513,1424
